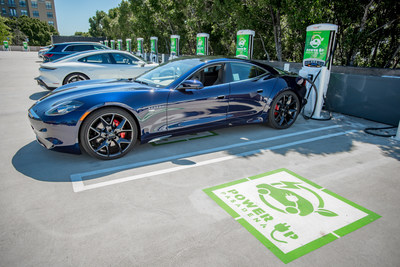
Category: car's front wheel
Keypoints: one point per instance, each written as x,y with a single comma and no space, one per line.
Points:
108,133
284,110
75,77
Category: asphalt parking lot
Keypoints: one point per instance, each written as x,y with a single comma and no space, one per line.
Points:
149,208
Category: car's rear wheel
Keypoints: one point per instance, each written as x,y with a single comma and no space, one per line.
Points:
108,133
75,77
284,110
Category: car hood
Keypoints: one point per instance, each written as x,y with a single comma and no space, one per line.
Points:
92,87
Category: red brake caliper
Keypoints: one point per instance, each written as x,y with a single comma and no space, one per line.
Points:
116,123
276,108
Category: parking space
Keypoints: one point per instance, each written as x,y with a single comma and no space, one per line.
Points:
149,208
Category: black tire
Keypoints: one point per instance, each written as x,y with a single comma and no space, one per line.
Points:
108,133
284,110
75,77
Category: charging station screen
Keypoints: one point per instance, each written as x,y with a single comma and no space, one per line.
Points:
316,47
242,46
201,46
174,46
153,46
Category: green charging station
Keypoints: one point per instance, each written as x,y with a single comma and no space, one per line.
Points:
154,49
244,44
25,46
119,44
106,42
139,47
112,44
6,46
129,45
174,46
202,44
317,63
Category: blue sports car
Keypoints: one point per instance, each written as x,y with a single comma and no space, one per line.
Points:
105,118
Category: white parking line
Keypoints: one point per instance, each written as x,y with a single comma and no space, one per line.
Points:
78,184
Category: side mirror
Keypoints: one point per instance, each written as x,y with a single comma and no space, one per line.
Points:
191,84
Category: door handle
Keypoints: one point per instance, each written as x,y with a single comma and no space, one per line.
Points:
260,90
221,97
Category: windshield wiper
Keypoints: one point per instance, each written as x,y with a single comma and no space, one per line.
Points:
142,82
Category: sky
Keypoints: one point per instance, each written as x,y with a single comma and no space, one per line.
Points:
73,15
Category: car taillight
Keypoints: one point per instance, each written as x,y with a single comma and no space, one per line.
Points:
48,55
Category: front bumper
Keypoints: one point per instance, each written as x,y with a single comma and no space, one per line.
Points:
55,136
43,84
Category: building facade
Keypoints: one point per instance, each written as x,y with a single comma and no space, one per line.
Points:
38,9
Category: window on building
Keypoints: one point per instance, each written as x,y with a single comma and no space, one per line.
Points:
35,13
48,5
34,4
50,14
3,11
51,22
11,2
24,12
13,12
22,3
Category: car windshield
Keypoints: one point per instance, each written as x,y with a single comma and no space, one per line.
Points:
166,74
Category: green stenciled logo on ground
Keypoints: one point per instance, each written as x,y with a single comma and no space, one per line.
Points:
288,199
201,49
316,45
289,214
242,47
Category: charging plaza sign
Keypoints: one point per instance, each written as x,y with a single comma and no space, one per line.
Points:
289,214
242,48
316,45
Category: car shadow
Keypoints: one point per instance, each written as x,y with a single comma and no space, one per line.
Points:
51,166
38,95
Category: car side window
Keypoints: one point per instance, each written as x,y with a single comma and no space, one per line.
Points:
80,48
124,59
212,75
99,47
242,71
96,59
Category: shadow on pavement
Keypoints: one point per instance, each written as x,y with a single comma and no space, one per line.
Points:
38,163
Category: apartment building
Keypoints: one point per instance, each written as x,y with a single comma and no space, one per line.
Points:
39,9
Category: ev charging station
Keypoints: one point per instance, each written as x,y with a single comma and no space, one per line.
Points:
106,42
129,45
112,44
140,47
202,44
245,44
154,49
25,47
119,44
6,46
174,46
317,64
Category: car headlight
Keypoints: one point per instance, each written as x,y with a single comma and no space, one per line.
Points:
64,108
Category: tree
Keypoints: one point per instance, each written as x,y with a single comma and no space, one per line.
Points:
5,31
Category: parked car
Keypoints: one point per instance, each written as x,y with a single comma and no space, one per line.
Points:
105,118
64,49
90,65
43,50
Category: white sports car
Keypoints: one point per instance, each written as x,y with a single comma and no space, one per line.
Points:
91,65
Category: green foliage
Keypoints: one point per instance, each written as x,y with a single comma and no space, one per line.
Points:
83,34
368,29
38,32
5,31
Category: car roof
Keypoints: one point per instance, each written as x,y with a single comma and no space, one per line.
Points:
77,43
93,52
